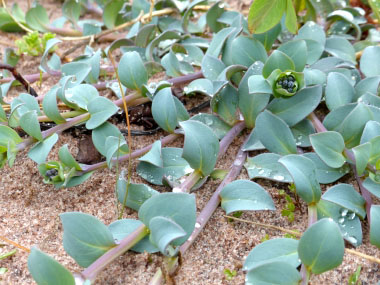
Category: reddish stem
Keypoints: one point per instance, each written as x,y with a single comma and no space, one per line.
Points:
213,203
129,241
348,153
135,154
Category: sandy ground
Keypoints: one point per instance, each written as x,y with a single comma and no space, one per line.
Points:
29,213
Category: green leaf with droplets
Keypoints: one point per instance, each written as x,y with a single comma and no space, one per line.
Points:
266,166
173,166
346,196
245,195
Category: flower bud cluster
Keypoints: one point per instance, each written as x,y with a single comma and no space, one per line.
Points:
287,82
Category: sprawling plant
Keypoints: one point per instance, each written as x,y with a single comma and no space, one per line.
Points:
266,75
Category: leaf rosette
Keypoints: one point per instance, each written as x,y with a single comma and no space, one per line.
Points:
286,83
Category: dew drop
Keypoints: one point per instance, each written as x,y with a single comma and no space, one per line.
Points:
197,225
341,221
343,212
68,95
177,190
278,177
351,216
179,56
352,240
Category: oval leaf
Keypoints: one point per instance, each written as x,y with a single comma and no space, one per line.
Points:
201,146
275,134
329,146
297,51
122,228
180,207
277,60
132,71
164,110
339,91
173,166
346,196
29,123
327,248
85,238
50,107
325,173
163,231
46,270
264,15
279,249
348,222
294,109
245,195
247,50
137,193
266,165
101,109
303,172
37,18
375,225
370,61
40,150
279,273
100,135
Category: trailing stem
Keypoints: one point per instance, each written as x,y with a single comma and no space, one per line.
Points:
57,129
366,195
211,205
135,154
193,178
20,78
90,272
348,153
82,118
